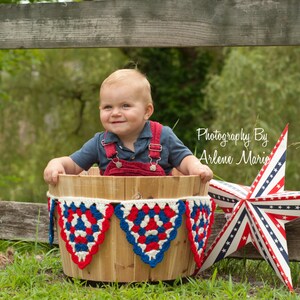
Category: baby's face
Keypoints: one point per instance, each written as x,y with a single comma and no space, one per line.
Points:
123,111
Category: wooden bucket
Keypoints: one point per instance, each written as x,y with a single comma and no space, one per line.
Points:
115,261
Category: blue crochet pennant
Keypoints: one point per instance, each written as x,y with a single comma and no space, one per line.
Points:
150,226
51,209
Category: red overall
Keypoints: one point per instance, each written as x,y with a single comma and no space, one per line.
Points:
120,167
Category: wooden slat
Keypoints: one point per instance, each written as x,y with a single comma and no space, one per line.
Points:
155,23
30,222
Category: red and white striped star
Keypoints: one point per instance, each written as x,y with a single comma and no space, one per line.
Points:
257,214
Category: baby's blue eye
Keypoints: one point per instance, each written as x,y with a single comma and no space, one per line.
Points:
125,105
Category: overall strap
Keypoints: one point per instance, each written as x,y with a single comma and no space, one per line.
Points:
110,148
155,147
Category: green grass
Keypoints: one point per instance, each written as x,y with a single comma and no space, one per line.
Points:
36,273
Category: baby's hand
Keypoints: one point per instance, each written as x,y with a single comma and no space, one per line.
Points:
191,165
51,172
205,173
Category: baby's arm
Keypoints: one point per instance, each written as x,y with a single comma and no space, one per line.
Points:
60,165
191,165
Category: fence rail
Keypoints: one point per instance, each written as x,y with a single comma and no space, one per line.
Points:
155,23
30,222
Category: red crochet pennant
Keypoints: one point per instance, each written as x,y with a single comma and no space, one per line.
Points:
83,226
199,220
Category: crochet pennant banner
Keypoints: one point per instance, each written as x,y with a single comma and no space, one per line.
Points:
150,226
199,220
83,225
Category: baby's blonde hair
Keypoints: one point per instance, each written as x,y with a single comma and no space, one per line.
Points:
130,77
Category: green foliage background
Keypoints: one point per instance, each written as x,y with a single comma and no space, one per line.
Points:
257,88
49,104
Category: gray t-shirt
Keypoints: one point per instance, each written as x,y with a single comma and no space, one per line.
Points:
92,152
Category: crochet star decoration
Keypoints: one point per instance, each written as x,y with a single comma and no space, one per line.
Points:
257,214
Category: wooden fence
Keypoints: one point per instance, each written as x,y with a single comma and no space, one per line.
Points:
136,23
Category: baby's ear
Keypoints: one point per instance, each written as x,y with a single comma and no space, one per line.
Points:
149,111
